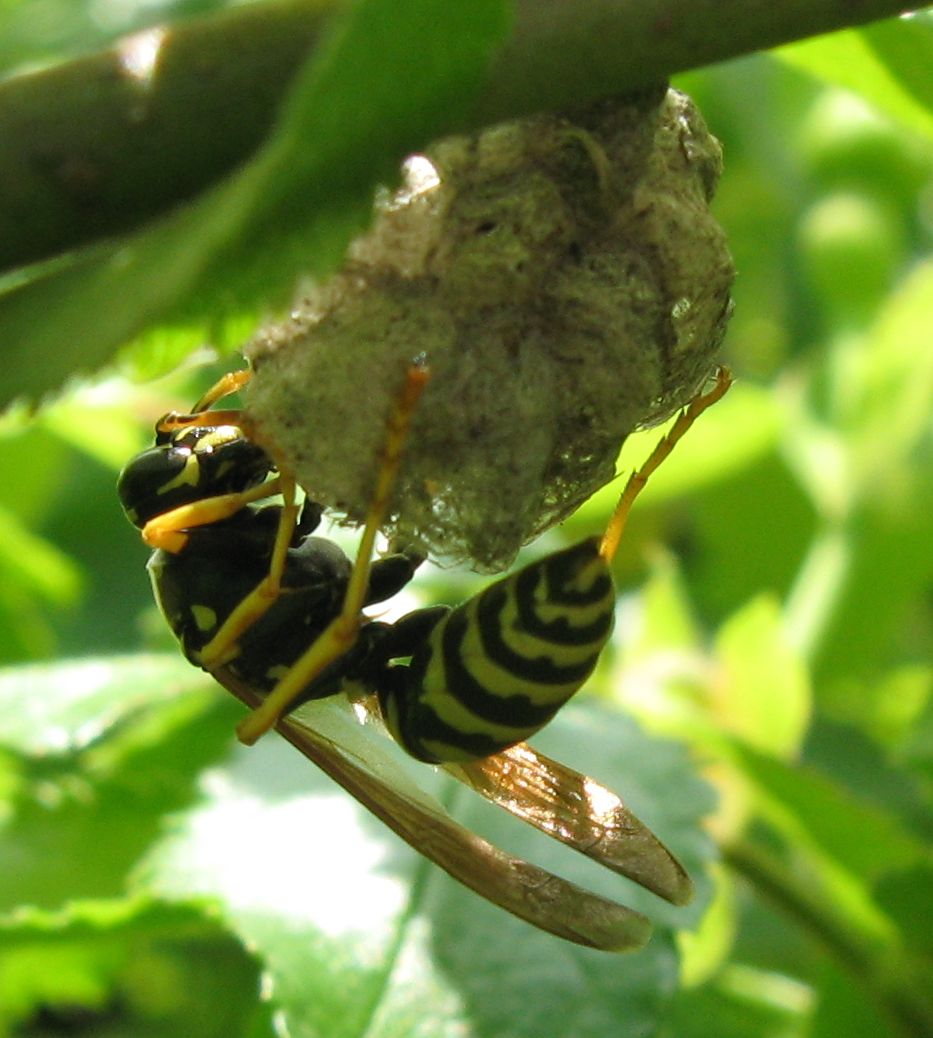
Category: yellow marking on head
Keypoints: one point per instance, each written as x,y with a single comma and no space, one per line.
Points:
189,475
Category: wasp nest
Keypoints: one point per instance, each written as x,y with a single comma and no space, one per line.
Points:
566,283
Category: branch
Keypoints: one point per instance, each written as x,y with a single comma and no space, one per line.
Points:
562,52
94,146
88,149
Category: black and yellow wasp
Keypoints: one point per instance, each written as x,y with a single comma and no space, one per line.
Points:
275,614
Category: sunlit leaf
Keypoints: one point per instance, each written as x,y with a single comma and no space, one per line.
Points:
35,563
356,919
892,391
705,950
861,838
101,751
664,621
65,706
858,59
763,694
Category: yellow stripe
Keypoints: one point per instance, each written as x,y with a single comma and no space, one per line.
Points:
577,615
531,646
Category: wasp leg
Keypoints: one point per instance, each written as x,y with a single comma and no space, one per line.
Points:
342,632
393,571
222,647
201,414
226,385
167,531
636,482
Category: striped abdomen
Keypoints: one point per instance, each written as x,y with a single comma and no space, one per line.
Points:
498,667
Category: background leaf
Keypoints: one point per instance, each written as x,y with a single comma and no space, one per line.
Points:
357,932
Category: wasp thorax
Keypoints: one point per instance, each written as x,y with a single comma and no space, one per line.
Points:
566,283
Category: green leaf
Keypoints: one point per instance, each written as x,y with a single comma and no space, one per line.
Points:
360,936
36,32
705,951
668,623
357,933
905,46
764,693
889,390
290,211
818,815
100,420
743,1002
126,968
64,707
99,752
845,1007
36,563
887,63
907,896
864,465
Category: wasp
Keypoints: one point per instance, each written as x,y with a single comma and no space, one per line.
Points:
276,614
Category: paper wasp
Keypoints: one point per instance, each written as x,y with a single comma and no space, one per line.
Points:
275,614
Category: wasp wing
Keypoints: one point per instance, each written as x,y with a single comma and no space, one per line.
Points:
579,812
539,897
571,808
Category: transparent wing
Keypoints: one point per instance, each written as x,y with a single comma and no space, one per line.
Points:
579,812
572,808
539,897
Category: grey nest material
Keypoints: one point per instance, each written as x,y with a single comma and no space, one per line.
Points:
566,284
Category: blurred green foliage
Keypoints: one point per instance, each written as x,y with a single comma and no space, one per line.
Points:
776,620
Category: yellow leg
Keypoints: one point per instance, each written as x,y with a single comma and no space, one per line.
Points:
222,647
201,414
167,531
226,385
341,633
636,482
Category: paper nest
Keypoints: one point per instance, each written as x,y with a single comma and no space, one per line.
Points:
566,284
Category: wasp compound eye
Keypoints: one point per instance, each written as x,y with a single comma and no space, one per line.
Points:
566,283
